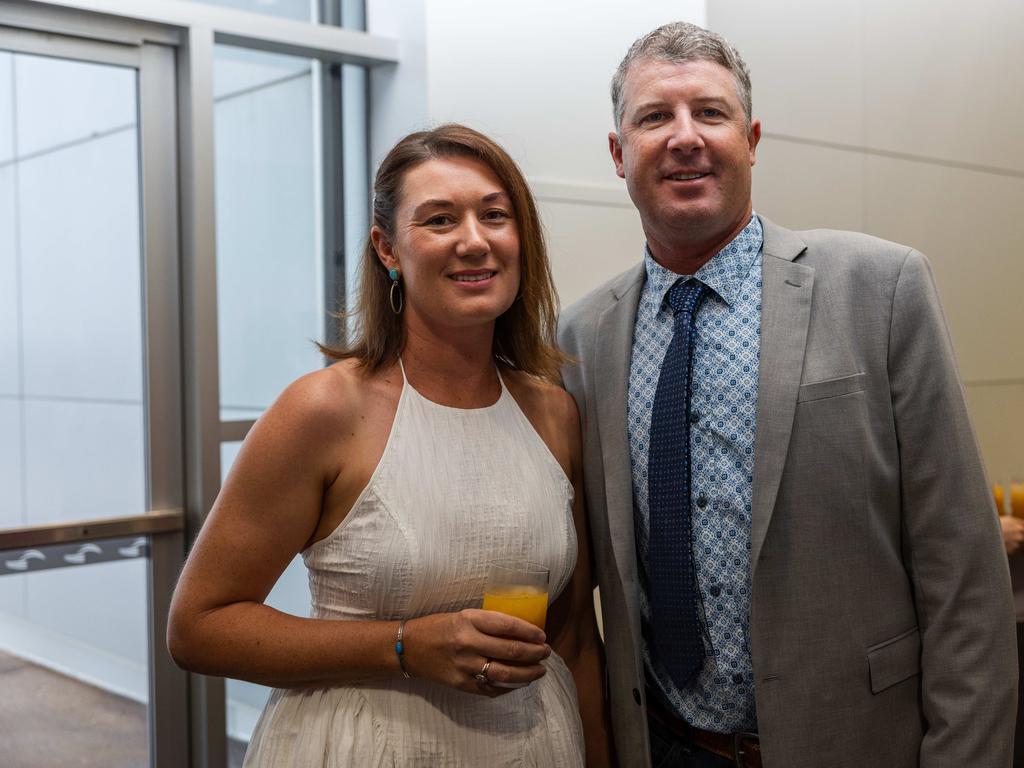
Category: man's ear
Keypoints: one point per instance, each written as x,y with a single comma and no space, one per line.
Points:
753,138
382,245
615,147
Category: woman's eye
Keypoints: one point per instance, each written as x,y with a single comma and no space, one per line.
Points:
440,220
497,215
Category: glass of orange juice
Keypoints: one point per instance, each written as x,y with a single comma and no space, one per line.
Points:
1016,498
997,492
519,589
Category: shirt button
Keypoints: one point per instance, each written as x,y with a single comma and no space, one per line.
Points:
636,695
737,678
694,418
715,590
702,501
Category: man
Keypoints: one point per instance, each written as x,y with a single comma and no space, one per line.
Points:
798,559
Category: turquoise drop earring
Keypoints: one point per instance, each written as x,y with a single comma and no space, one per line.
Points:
395,297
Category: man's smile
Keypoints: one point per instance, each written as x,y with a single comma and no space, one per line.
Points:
686,175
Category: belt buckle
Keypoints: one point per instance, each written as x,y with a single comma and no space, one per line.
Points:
739,750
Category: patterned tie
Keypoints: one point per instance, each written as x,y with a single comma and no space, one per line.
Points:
675,625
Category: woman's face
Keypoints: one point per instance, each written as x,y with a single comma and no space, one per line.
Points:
456,244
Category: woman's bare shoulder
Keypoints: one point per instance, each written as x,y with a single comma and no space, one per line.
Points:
325,399
542,400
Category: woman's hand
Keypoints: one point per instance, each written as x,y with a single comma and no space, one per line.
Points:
452,648
1013,533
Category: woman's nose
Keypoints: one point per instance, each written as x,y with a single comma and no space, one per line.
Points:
472,239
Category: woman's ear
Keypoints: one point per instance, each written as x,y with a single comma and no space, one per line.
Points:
382,245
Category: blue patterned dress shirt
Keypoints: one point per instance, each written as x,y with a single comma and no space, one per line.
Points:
723,422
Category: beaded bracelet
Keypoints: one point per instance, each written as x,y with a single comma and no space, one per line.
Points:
400,649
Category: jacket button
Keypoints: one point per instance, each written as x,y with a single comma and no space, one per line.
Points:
636,695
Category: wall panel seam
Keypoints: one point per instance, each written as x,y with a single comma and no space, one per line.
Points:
909,157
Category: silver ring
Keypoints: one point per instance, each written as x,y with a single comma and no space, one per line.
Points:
481,676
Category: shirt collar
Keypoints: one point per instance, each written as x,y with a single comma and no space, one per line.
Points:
723,273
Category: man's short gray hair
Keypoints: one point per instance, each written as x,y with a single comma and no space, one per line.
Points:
681,42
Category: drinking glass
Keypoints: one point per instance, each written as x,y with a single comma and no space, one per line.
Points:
1016,493
1000,499
518,588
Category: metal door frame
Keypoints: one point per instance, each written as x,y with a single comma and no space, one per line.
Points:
164,524
171,43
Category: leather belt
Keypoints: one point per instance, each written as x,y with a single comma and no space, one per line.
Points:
744,749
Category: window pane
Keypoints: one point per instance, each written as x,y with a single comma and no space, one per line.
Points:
269,264
353,13
301,10
73,618
71,344
73,653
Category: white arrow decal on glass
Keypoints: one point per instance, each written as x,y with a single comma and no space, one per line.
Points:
21,564
137,547
77,558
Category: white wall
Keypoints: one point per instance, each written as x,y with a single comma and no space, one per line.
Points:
905,112
902,118
535,76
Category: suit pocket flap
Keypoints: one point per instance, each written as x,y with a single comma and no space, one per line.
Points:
895,660
819,390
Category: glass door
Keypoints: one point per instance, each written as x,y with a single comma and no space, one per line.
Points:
91,478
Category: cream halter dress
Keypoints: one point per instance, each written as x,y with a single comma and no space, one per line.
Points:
454,489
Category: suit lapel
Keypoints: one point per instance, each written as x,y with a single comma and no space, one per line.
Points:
611,383
785,314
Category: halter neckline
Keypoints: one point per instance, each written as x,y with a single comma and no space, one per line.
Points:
407,386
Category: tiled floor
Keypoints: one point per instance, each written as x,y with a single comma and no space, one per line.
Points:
48,720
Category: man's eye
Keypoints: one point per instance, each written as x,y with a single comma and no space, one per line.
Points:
710,112
654,117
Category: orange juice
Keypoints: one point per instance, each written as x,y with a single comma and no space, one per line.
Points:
525,602
1017,499
997,491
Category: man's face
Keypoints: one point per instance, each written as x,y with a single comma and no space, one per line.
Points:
685,151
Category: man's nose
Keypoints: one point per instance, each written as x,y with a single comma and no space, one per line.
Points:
686,135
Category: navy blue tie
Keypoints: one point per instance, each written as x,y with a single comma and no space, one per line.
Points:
675,624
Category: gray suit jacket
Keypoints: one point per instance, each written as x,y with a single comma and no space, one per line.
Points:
881,627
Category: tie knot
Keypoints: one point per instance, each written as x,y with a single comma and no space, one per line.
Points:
685,295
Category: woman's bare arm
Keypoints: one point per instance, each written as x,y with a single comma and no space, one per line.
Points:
267,512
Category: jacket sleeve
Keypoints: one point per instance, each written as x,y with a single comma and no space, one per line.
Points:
952,542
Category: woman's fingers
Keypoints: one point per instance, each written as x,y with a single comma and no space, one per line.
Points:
512,652
507,638
503,625
514,674
454,648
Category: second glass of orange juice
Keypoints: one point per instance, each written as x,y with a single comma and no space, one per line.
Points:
518,589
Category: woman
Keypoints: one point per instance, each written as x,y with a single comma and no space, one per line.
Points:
437,443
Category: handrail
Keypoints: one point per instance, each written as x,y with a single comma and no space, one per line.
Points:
156,521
